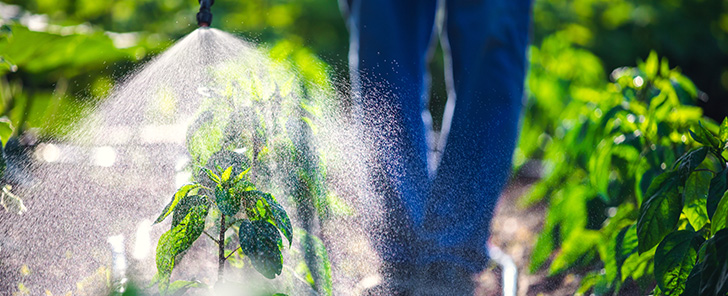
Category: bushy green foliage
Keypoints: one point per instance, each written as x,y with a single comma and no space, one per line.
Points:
627,187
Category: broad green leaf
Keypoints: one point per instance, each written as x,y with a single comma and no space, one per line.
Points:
226,174
280,217
695,197
622,246
6,130
260,240
720,218
542,249
689,161
637,265
578,248
178,239
710,275
660,213
675,257
718,186
317,262
181,192
227,200
651,65
707,136
723,133
187,204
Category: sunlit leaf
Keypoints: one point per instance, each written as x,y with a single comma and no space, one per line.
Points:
720,218
6,130
695,197
675,257
659,214
181,192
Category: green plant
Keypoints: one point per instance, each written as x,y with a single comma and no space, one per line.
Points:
600,153
231,194
684,216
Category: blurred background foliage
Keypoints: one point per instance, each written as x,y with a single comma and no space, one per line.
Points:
68,53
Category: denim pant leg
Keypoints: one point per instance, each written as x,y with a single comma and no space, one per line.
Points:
388,54
487,40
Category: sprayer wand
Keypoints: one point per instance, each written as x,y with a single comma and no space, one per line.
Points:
204,17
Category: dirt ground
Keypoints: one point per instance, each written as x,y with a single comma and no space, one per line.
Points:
515,231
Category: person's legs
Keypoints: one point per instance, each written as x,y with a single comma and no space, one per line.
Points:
390,41
487,40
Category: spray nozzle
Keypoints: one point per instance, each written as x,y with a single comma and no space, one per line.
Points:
204,17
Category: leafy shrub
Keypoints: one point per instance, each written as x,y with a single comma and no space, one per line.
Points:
607,157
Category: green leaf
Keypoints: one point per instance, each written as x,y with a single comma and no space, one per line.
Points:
637,265
260,240
691,160
660,213
723,132
704,136
181,287
718,186
280,217
651,65
578,248
6,130
674,260
720,218
227,200
185,206
623,246
710,275
695,197
177,240
317,262
181,192
226,174
215,178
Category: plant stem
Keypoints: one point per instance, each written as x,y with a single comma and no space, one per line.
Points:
221,248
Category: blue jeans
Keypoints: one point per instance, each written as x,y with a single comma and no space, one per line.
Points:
442,215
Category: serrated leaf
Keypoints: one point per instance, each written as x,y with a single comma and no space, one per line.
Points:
181,192
718,186
260,240
720,218
695,197
675,257
660,213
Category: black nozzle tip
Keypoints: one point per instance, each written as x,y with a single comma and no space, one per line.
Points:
204,17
